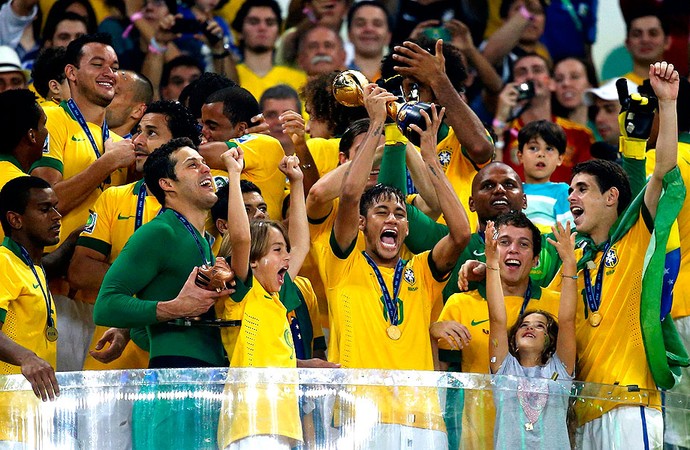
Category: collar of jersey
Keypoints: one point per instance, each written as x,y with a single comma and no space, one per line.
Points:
12,159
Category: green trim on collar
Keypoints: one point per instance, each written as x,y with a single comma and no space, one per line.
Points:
137,187
63,105
11,159
13,247
684,137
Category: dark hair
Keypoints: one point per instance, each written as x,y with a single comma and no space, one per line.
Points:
608,174
455,69
179,61
518,219
356,128
18,113
552,134
220,209
547,63
15,195
49,65
195,94
190,4
259,230
645,12
550,338
506,4
239,105
75,49
161,164
58,12
280,92
375,3
379,192
180,121
591,73
54,20
318,94
143,89
242,13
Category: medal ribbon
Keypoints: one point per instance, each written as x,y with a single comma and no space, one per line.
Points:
45,292
193,232
528,297
593,295
391,305
74,109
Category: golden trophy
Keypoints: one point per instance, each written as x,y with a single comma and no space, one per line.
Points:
348,87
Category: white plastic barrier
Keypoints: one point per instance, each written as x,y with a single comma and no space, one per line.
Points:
303,408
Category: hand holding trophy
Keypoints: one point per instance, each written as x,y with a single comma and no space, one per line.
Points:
347,90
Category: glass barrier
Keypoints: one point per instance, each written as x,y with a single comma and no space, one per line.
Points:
306,409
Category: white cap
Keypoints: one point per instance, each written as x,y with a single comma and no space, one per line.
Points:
607,91
9,62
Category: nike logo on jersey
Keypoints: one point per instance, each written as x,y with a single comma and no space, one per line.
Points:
36,286
474,323
76,139
476,253
121,217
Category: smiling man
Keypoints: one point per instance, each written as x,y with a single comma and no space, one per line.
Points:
369,30
82,159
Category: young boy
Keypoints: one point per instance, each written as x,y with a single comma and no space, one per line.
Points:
541,146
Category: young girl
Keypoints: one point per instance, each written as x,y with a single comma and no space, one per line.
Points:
532,350
264,263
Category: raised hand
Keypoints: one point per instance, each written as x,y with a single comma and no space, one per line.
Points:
233,158
664,80
564,242
290,167
428,139
375,100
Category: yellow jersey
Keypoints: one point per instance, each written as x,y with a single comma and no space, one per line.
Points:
70,152
23,313
359,317
9,170
262,156
614,352
110,225
264,340
460,170
277,75
325,152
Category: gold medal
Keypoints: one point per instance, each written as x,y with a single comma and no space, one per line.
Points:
595,319
51,334
393,332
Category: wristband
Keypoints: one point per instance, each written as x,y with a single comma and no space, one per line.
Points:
133,18
393,134
633,148
492,268
221,55
498,124
524,12
155,47
573,277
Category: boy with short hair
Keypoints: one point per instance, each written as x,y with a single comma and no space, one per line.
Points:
541,146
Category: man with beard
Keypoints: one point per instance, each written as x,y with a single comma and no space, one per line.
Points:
258,22
83,158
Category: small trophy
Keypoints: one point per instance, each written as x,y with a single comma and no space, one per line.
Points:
348,90
215,278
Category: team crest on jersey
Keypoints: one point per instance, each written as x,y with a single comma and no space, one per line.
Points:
91,222
444,157
611,258
408,275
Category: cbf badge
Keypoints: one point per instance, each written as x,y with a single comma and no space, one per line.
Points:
611,258
408,275
444,158
91,222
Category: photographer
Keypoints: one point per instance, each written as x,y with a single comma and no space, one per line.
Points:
526,99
